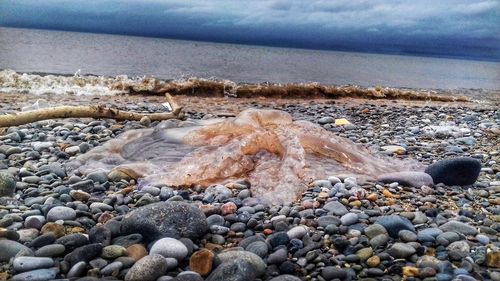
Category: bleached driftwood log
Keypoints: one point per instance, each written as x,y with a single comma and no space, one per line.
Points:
97,111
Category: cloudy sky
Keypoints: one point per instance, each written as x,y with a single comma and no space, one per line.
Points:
465,28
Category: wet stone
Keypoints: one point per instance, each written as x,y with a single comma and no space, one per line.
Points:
166,219
455,171
22,264
148,268
394,224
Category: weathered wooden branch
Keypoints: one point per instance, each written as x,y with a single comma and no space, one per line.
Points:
98,111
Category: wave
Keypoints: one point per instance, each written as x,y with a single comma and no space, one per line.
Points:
13,82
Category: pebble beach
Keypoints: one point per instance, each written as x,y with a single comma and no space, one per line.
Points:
443,225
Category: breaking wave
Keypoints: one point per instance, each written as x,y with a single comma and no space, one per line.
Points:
13,82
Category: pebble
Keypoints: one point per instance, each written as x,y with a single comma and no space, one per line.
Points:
169,248
37,275
233,270
332,273
201,261
257,263
455,171
336,208
394,224
22,264
166,219
401,250
61,213
349,219
149,268
7,184
458,227
9,249
297,232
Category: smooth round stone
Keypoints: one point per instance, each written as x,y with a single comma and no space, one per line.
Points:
336,208
458,250
34,222
365,253
401,250
27,234
259,248
349,219
73,240
101,235
332,272
379,240
38,275
483,239
7,184
413,179
113,252
61,213
9,249
79,195
169,248
136,251
77,270
166,219
455,171
297,232
22,264
459,227
215,220
127,240
278,239
233,270
278,257
394,224
84,253
54,250
202,261
286,277
374,230
111,268
98,176
407,236
326,220
149,268
257,263
185,276
43,240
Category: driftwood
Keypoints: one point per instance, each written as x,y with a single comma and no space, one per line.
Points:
97,111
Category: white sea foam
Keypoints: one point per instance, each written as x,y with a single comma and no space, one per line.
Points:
13,82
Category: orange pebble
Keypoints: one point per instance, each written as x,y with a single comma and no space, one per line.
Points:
267,231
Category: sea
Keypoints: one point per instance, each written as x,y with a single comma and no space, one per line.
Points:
68,53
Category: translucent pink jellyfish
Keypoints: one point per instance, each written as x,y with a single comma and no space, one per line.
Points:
278,156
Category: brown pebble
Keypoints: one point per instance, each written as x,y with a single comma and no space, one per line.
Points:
228,208
201,262
214,247
373,261
55,228
493,258
136,251
79,195
372,197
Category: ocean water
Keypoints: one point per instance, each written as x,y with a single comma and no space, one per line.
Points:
56,52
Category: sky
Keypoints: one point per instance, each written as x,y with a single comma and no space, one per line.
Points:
450,28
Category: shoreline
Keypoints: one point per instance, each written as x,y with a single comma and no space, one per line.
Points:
12,82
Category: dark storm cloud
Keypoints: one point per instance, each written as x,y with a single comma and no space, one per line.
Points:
446,27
